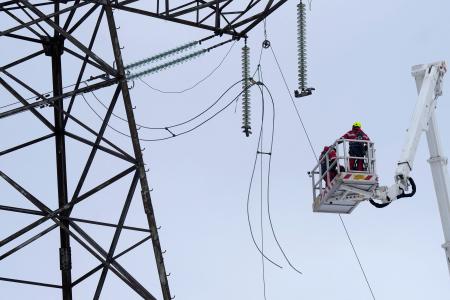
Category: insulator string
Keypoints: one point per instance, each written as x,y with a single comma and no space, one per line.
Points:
246,121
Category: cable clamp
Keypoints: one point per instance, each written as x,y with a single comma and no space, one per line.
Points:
261,152
173,134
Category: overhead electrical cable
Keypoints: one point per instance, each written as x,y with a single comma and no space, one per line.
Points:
268,177
173,125
261,150
173,135
250,189
41,96
315,155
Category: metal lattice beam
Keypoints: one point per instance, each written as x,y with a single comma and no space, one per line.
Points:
50,29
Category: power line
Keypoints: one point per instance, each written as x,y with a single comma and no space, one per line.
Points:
250,188
295,106
173,125
261,150
312,148
268,180
173,135
356,255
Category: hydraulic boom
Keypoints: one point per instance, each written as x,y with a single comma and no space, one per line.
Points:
429,86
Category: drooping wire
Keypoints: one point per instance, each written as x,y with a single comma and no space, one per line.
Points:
261,150
195,84
177,124
250,188
42,96
246,95
268,176
173,135
315,155
262,219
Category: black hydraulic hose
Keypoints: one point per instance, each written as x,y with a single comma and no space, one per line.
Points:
378,205
402,195
413,192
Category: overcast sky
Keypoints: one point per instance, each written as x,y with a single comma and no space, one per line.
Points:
360,56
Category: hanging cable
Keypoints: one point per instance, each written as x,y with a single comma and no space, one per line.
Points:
261,150
269,172
173,125
250,190
246,95
262,217
173,135
315,155
303,89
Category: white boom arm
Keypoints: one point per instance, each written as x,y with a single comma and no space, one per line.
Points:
429,83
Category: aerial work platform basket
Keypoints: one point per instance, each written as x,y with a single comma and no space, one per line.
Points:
341,181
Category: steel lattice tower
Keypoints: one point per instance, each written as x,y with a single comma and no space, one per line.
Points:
51,29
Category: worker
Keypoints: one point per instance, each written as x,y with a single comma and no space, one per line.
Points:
356,149
331,167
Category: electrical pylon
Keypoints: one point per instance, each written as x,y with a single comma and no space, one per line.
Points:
49,29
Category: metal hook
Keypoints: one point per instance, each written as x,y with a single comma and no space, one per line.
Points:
168,274
117,28
134,107
158,228
164,252
173,297
146,170
121,48
132,86
138,128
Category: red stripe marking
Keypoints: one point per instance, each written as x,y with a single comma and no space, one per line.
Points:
347,176
368,177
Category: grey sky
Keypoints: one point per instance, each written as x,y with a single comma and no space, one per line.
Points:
360,55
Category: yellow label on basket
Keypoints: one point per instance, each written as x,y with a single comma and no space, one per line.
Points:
359,177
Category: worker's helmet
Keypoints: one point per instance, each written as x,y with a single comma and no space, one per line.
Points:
357,124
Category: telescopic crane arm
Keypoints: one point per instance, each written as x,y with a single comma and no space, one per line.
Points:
429,86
